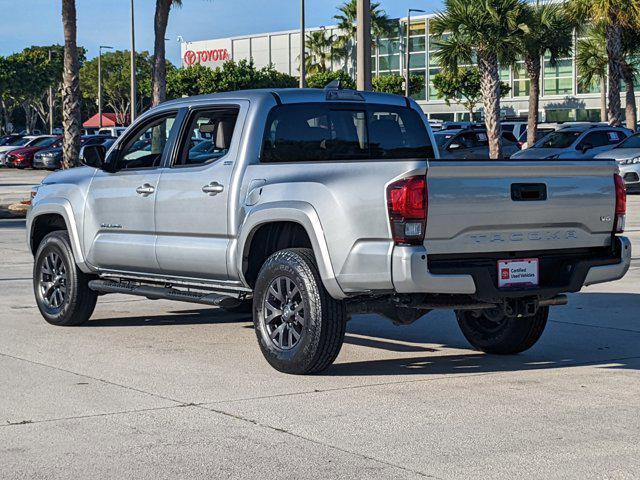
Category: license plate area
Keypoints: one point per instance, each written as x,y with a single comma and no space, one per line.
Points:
518,273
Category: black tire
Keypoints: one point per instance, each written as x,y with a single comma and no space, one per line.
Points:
323,319
502,335
75,304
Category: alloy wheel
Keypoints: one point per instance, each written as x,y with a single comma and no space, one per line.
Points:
283,314
53,281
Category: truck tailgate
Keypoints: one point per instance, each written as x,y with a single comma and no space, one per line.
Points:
502,206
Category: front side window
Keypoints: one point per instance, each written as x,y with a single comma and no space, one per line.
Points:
208,136
145,147
595,139
326,132
558,139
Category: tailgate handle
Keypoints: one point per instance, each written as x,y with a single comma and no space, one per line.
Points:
528,192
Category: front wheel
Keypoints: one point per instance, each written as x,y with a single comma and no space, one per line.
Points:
300,328
493,332
61,289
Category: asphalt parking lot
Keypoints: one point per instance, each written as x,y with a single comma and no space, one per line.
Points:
153,389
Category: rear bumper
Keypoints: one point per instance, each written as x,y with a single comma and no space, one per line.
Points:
562,271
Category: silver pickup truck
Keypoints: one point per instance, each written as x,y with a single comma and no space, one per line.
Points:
307,206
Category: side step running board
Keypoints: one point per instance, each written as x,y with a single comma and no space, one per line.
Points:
166,293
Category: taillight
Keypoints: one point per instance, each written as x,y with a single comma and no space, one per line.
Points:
621,204
407,205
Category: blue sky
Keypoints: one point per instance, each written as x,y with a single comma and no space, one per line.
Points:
106,22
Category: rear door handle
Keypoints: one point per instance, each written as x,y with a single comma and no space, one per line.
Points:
145,190
213,188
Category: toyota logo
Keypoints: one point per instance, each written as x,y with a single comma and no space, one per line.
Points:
190,57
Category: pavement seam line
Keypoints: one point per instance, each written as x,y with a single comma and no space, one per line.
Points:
315,442
107,382
92,415
595,326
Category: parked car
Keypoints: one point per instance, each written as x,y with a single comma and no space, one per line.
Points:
9,139
577,142
23,157
627,154
21,143
51,158
516,128
112,131
471,143
317,205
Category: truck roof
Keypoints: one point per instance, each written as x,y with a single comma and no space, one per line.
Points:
287,95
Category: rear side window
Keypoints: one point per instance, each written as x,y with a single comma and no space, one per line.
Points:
325,132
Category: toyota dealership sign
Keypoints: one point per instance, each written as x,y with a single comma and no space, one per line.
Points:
210,53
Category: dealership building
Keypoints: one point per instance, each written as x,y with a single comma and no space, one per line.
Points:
563,97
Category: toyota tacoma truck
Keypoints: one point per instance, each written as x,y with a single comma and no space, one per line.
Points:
305,207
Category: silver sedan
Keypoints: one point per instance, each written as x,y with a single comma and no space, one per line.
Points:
627,154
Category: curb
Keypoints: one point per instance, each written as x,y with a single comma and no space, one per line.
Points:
13,210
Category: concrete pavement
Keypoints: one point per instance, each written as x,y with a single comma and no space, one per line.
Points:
156,389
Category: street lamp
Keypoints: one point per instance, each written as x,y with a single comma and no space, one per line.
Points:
303,66
133,67
105,47
408,59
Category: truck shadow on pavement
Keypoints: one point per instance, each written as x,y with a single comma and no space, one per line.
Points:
595,329
200,316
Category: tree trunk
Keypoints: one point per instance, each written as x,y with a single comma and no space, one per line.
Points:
71,87
614,49
630,98
159,80
532,65
490,88
603,99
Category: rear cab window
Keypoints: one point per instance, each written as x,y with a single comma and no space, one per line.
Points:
345,131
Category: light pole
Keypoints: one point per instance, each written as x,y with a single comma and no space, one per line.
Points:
303,61
408,51
363,45
134,95
100,48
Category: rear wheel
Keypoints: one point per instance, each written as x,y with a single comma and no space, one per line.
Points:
62,291
300,328
493,332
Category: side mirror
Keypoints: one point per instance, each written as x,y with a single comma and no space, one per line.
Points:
585,147
93,156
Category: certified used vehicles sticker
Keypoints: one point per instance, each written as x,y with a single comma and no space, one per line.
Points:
521,272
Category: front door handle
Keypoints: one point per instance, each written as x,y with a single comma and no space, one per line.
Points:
145,190
213,188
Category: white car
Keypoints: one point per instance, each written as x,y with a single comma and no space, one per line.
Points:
112,131
22,142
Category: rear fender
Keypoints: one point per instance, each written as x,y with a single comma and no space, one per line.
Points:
297,212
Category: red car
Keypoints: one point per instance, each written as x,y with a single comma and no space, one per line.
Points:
23,157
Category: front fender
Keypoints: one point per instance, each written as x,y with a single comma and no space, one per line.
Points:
291,211
62,207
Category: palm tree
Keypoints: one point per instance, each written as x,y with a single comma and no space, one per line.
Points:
381,25
159,78
630,69
70,87
489,31
319,51
591,64
614,16
548,31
